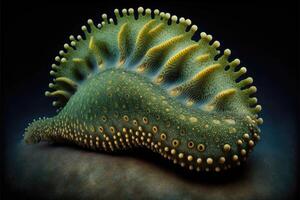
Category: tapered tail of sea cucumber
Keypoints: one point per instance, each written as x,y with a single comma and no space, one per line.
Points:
38,130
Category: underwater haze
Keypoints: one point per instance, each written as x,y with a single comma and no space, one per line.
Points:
265,37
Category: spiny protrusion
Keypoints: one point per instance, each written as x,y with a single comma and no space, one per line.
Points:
156,30
142,35
153,54
92,25
174,19
123,41
68,47
54,66
234,64
142,40
174,63
205,37
202,58
192,87
84,30
78,60
257,109
92,45
124,12
72,38
249,91
79,38
252,101
101,51
185,23
105,19
62,53
240,72
260,121
245,82
130,11
140,11
194,28
216,44
205,72
223,60
156,13
66,80
148,11
222,101
57,58
53,73
63,93
117,13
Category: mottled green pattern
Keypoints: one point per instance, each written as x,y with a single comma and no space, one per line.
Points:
143,82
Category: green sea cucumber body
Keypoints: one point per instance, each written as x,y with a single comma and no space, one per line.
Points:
144,83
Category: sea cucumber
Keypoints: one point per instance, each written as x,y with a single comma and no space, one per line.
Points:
140,80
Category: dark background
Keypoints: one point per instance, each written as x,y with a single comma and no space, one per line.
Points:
264,36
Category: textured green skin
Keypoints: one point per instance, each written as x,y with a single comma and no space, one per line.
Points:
107,93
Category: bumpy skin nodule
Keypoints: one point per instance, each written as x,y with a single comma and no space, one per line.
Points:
143,82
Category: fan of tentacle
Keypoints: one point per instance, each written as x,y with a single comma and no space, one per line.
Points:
139,80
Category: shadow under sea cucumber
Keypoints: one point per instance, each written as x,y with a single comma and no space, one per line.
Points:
143,82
